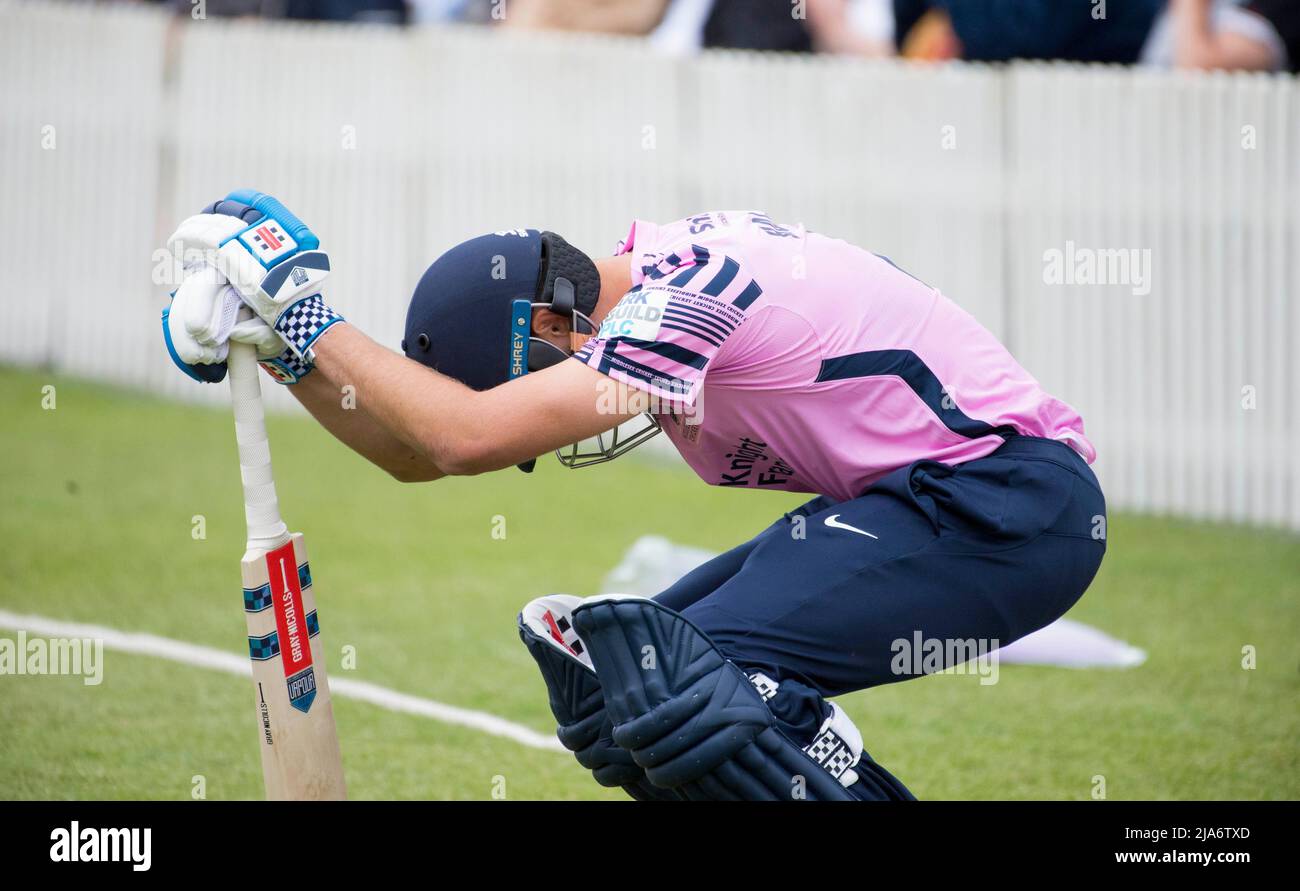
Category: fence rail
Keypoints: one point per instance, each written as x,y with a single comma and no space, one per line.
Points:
117,121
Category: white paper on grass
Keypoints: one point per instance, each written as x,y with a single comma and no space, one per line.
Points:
653,563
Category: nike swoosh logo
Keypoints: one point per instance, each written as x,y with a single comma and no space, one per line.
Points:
834,522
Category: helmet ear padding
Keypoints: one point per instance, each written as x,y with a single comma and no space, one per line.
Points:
544,354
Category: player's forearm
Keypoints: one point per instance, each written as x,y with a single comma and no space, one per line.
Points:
429,413
342,414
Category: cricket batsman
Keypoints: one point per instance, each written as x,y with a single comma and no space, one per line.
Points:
952,497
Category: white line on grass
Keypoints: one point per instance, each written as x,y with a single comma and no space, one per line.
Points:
220,660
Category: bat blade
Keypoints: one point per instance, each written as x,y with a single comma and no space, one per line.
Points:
295,720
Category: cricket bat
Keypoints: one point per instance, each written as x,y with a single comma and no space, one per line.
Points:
295,721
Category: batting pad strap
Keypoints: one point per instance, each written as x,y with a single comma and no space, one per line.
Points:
837,746
301,324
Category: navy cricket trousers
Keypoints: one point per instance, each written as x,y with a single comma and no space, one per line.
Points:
989,550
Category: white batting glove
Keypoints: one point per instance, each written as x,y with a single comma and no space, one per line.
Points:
270,257
202,321
201,315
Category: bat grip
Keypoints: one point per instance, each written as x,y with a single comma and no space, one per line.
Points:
261,506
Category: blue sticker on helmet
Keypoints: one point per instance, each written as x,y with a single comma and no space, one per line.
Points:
521,316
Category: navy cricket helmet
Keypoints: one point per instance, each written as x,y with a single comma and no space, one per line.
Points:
470,318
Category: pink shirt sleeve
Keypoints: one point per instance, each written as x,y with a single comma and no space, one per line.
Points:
666,334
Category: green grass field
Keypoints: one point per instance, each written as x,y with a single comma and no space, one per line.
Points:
98,498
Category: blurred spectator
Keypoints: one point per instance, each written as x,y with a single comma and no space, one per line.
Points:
676,24
393,12
1259,35
859,27
756,25
598,16
229,8
425,11
1000,30
681,29
388,12
931,39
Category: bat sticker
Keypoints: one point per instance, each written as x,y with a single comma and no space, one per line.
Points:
292,627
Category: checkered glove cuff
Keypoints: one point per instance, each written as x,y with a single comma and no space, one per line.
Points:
303,322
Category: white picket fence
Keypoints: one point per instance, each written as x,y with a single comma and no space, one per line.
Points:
115,122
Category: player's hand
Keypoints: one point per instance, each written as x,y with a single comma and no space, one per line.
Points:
270,257
202,320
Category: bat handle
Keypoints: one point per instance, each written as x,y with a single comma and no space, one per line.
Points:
261,507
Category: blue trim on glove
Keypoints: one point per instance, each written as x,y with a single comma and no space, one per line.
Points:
234,209
204,374
307,240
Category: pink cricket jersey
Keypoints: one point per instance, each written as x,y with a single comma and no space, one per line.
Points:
800,362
